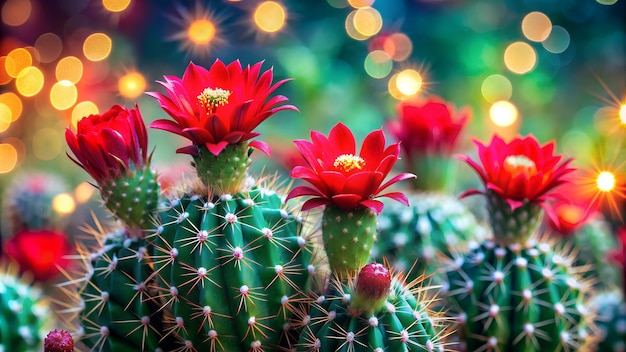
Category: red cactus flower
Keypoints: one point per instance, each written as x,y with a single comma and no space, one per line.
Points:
219,106
108,144
58,341
39,252
431,127
519,171
342,178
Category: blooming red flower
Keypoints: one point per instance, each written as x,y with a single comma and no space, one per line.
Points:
39,252
428,127
519,171
342,178
108,144
219,106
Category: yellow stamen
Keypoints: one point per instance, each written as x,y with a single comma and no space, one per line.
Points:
348,162
211,98
519,164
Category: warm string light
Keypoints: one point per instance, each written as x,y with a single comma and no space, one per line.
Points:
270,16
200,30
604,186
503,113
132,85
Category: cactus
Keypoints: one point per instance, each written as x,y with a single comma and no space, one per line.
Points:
414,238
231,268
25,315
611,321
27,204
517,293
375,312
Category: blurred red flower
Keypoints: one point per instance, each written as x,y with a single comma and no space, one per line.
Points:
39,252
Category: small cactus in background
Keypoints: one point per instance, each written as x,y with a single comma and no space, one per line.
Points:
28,204
516,293
376,312
25,314
610,321
58,341
117,306
436,222
347,185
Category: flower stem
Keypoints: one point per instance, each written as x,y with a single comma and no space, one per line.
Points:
225,172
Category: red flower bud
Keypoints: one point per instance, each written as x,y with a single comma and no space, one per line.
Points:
58,341
373,281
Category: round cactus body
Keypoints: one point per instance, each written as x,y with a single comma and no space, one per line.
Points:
25,316
119,313
231,268
402,323
519,298
611,321
415,236
27,204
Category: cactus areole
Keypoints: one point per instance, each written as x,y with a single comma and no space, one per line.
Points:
519,177
347,183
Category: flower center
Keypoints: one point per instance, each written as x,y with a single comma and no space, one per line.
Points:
519,164
348,162
211,98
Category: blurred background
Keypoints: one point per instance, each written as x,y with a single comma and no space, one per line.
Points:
556,69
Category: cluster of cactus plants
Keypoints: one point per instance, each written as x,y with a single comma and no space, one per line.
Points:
225,261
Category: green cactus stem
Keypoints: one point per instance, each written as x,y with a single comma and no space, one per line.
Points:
223,173
509,225
133,198
231,269
348,239
519,298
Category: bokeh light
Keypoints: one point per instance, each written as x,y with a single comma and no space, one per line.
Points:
8,155
558,41
115,5
16,12
496,87
4,75
14,103
47,143
606,181
536,26
367,21
357,4
201,31
131,85
49,46
29,81
503,113
83,109
69,68
378,64
97,47
351,29
622,114
17,60
409,82
63,203
63,95
5,117
607,2
83,192
270,16
398,46
520,57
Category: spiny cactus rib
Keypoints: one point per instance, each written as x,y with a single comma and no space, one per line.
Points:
119,311
231,268
404,323
519,298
